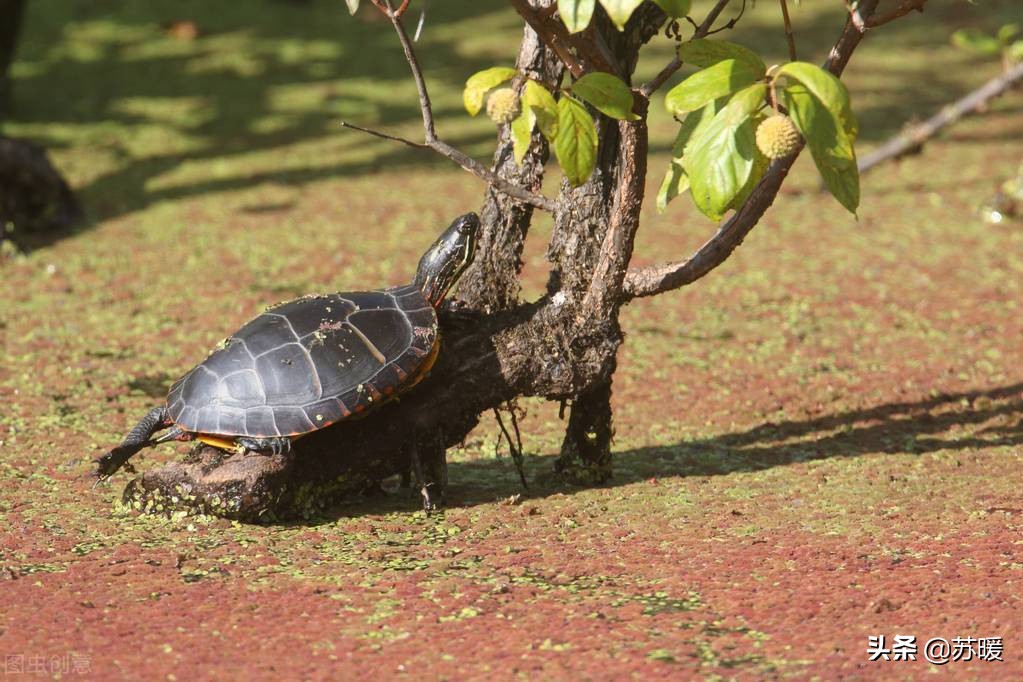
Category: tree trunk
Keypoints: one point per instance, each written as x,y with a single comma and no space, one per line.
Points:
11,12
492,281
34,198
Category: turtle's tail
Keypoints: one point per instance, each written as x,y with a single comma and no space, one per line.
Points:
138,438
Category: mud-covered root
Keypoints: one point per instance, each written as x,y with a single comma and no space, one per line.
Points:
328,467
245,486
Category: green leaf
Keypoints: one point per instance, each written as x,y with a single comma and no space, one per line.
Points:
607,93
353,6
693,125
704,53
576,14
819,128
676,9
1015,51
576,143
830,91
482,82
720,159
620,10
976,41
522,133
540,101
723,78
760,166
1007,32
675,182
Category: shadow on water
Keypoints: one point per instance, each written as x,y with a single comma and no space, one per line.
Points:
260,76
270,74
900,428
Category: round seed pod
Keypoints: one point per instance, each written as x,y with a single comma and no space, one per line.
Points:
777,136
503,105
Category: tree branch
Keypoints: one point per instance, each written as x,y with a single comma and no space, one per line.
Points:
916,135
616,249
675,64
385,136
904,8
435,143
553,34
788,30
581,53
661,278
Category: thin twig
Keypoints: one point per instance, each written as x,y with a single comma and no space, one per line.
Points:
675,64
386,9
385,136
730,234
435,143
915,136
730,24
788,30
516,451
904,8
417,73
515,425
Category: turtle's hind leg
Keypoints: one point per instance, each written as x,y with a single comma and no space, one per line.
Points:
138,438
280,445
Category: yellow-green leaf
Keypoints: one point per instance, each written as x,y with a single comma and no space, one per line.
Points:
608,94
1007,33
821,131
675,179
704,53
482,82
675,182
719,161
819,126
676,9
760,165
522,133
576,14
540,101
620,10
707,85
976,41
828,89
576,142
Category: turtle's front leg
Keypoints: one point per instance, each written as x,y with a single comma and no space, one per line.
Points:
280,445
429,465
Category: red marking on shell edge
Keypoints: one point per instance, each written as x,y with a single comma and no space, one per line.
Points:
344,408
360,408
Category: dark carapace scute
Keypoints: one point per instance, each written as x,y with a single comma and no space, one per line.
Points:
308,363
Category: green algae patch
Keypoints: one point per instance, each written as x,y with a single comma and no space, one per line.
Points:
818,443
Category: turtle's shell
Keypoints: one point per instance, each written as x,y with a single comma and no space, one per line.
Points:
308,363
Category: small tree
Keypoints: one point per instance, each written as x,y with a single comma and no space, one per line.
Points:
741,127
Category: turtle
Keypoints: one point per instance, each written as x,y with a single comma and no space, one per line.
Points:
305,364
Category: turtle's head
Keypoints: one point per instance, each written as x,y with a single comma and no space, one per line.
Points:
447,258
